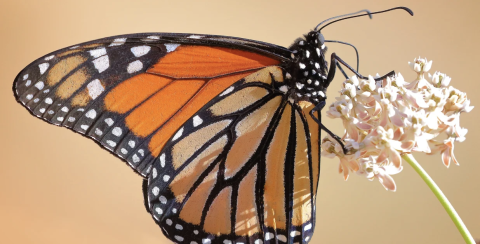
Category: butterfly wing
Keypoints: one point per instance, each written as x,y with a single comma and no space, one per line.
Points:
243,169
208,111
130,93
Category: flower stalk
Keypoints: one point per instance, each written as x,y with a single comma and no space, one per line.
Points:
441,197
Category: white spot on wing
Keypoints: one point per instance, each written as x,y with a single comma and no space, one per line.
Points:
171,47
111,143
156,191
71,119
25,77
195,37
230,89
141,152
140,50
98,131
284,89
269,236
154,173
84,127
178,227
307,227
65,109
42,110
294,233
197,121
131,144
28,83
282,238
43,67
178,238
91,114
49,57
39,85
206,241
159,211
162,160
29,96
98,52
135,158
166,178
109,121
102,63
153,37
134,66
123,151
95,88
117,131
48,100
163,199
178,134
321,94
60,119
118,42
258,241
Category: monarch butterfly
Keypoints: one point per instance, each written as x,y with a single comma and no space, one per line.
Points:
225,131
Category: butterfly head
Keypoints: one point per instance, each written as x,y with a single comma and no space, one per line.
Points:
308,78
309,68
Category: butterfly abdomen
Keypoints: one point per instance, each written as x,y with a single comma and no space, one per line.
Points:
308,73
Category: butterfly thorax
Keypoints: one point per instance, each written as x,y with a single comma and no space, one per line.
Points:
307,73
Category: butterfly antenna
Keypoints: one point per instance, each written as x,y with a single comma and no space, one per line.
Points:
369,14
346,43
344,15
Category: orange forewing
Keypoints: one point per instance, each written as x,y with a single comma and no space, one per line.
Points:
162,106
134,91
208,62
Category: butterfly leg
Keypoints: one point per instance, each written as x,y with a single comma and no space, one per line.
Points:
335,60
341,69
319,108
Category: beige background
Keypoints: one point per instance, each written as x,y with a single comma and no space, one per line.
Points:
57,187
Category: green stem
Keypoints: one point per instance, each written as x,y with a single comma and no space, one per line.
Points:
441,197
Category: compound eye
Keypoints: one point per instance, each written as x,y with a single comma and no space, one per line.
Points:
321,38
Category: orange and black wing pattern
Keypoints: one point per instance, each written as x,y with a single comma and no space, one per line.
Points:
206,119
131,94
243,169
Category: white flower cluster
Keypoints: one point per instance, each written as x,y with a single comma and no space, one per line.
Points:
384,119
